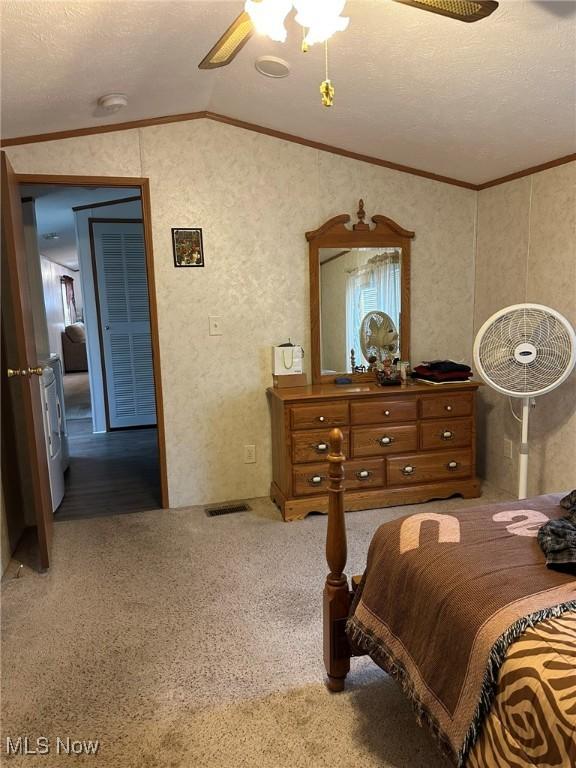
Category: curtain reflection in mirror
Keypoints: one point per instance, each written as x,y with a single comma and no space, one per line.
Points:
353,283
373,286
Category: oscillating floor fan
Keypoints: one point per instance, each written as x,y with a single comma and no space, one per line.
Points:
524,351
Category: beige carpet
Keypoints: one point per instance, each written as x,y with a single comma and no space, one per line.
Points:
181,640
77,396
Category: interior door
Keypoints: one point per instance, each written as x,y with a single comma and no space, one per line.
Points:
24,460
124,316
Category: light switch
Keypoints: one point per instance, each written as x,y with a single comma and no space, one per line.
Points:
215,326
249,454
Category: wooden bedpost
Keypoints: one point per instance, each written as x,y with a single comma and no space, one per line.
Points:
336,590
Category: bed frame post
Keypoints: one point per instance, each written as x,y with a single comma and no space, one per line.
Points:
336,590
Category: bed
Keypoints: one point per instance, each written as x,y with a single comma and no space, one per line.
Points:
461,610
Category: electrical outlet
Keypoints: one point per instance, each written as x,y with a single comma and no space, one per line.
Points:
507,448
215,326
249,454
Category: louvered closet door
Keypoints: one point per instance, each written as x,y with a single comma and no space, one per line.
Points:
125,323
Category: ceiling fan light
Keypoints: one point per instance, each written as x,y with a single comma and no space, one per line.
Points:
321,18
321,33
268,17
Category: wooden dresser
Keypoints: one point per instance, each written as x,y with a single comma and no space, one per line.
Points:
403,444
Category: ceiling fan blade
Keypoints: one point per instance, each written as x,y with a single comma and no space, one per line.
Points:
462,10
231,42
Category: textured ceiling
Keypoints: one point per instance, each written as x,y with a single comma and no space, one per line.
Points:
471,101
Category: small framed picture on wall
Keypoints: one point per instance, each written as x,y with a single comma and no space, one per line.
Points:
187,247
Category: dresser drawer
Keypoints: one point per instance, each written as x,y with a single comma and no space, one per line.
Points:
313,478
312,445
375,441
452,433
331,414
457,404
427,467
382,411
309,479
366,473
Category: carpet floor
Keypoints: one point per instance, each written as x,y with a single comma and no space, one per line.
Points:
77,396
182,641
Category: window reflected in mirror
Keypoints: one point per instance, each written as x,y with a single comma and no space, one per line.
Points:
360,299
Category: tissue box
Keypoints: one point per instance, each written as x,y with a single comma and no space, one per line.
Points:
290,380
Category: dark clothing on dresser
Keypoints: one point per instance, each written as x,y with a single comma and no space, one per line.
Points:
440,371
448,366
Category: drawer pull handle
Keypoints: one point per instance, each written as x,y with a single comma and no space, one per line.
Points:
386,413
385,440
363,474
408,470
446,434
315,480
447,407
321,418
320,447
452,465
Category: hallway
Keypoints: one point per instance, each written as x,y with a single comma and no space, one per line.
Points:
77,396
110,473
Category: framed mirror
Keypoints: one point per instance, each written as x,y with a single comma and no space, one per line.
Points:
359,296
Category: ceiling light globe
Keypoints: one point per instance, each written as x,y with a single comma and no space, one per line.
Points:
268,17
321,18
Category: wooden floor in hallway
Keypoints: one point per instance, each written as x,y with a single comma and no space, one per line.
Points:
111,473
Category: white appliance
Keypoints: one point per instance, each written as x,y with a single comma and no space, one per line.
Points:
55,363
524,351
52,411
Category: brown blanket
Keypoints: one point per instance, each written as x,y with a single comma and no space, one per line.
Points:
442,598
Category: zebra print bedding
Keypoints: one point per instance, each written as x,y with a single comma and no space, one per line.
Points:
532,721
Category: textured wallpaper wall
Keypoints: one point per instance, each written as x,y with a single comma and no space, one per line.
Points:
255,196
527,252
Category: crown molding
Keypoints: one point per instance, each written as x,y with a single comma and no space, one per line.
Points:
95,129
232,121
528,171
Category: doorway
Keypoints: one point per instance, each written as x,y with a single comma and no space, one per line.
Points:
97,342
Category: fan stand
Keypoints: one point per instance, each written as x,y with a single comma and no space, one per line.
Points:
523,459
524,351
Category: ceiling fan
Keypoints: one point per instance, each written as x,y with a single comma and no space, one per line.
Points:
319,21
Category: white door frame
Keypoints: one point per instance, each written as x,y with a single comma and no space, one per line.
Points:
103,320
83,215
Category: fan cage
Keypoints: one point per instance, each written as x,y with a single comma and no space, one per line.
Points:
370,349
546,330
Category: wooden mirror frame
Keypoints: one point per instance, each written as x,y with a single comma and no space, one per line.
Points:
335,234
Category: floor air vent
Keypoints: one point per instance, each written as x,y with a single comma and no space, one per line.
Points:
227,509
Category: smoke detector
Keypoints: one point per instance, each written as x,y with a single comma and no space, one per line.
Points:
113,102
272,66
